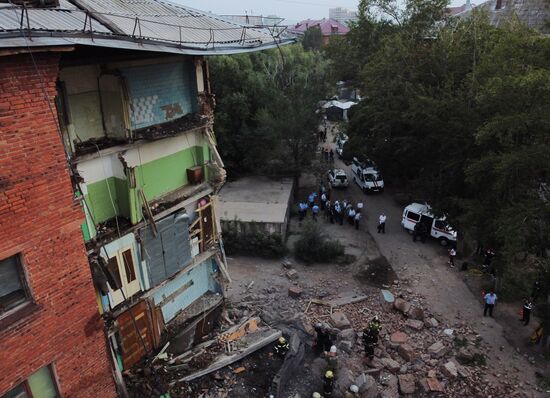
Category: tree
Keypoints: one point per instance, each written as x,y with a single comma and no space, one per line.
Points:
312,39
265,118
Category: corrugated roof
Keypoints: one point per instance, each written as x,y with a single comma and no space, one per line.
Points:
138,21
533,13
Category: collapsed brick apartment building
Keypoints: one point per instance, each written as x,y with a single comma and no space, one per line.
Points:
110,242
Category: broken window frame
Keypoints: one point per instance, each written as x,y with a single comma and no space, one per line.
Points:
23,280
129,289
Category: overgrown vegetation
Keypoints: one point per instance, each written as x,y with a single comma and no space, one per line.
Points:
313,246
265,116
253,242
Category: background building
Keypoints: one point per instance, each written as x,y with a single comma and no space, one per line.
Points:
342,15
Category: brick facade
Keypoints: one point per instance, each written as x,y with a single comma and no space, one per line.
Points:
40,220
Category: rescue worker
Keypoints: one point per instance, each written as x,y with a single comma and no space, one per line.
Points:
353,392
316,395
332,359
370,336
328,383
324,340
282,347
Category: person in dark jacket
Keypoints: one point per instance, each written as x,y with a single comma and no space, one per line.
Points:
527,307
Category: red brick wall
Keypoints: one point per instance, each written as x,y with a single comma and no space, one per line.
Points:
40,220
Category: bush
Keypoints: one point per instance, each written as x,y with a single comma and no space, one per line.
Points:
314,247
255,243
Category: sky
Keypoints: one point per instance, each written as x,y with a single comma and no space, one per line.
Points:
292,10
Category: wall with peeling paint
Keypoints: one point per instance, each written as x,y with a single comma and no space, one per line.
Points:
160,93
172,298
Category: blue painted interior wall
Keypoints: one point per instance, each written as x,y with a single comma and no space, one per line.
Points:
202,277
161,92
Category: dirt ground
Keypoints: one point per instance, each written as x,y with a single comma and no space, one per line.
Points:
422,268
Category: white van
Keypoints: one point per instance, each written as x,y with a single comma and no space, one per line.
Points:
367,176
437,226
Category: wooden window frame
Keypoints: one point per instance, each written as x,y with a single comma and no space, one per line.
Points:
27,388
15,313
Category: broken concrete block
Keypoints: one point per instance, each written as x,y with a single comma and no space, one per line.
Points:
431,322
463,372
294,291
414,324
407,384
434,385
437,350
386,299
407,352
399,338
402,306
416,313
286,263
340,321
292,274
347,334
449,369
390,364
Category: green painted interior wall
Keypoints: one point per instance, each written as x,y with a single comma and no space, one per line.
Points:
99,201
157,178
168,173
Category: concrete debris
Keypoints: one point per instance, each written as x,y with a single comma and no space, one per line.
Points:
449,369
437,349
399,338
407,352
414,324
340,321
407,384
294,291
391,365
416,313
292,274
387,300
402,306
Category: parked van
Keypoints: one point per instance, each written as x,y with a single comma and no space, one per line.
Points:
437,226
367,176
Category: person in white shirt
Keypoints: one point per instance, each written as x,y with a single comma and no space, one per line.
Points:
452,255
382,223
490,300
359,207
356,219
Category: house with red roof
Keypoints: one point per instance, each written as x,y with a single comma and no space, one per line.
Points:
329,28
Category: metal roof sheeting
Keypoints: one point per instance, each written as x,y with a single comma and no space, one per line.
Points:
139,21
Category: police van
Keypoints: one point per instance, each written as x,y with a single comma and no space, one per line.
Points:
367,176
437,226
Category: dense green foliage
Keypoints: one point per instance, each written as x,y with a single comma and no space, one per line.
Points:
265,116
253,242
313,246
312,39
457,112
